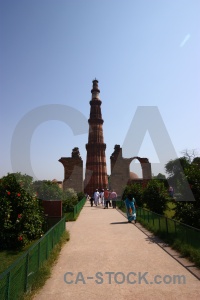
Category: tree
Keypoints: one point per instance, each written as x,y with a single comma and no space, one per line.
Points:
70,199
48,190
196,161
159,176
136,191
176,166
155,197
187,210
189,154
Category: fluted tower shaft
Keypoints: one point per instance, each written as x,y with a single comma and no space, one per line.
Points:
96,170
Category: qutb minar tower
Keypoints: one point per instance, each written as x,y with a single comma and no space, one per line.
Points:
96,170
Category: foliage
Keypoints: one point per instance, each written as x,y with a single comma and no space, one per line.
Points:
176,166
184,174
48,190
196,161
80,195
155,197
136,191
189,211
45,271
21,214
70,199
159,176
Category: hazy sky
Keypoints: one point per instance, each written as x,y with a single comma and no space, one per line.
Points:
145,53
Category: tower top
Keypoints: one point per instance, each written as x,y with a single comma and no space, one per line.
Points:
95,90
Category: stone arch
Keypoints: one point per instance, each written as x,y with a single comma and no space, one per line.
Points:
120,170
145,165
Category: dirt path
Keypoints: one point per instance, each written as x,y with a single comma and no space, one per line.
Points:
108,258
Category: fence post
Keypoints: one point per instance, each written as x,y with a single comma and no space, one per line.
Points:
38,255
8,287
186,234
175,227
26,275
166,224
47,244
52,239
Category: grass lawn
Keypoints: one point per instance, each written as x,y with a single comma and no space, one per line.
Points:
7,257
45,271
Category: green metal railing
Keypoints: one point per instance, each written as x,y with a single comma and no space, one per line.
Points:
18,278
72,215
167,227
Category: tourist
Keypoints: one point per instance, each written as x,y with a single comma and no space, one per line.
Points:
102,197
106,198
96,197
113,197
130,208
171,191
91,201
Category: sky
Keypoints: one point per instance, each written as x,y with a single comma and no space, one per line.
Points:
145,55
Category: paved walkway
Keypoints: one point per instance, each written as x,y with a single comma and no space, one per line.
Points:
101,240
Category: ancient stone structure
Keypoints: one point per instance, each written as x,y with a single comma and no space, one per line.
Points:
120,170
73,171
96,170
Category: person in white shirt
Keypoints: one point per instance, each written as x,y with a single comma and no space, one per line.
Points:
96,197
102,197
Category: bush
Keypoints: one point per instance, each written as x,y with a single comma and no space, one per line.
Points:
70,199
21,214
136,191
155,197
48,190
80,195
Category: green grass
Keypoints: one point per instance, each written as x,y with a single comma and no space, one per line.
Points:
186,250
7,257
45,271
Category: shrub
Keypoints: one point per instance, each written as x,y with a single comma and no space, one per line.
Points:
48,190
70,199
80,195
21,214
136,191
155,197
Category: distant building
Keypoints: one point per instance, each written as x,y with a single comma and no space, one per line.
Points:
96,176
96,171
59,183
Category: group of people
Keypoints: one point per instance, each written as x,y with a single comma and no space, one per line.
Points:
108,198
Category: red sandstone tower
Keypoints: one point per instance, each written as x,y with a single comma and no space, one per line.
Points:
96,170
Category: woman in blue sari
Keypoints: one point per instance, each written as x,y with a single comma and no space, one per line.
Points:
130,208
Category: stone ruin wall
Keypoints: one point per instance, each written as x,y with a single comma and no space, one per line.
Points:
73,171
120,171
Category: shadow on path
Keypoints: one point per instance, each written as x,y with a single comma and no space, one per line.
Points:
115,223
151,238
